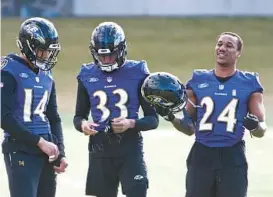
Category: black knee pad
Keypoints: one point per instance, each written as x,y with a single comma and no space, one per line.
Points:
138,190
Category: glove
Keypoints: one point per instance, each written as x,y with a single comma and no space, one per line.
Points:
165,113
108,127
251,122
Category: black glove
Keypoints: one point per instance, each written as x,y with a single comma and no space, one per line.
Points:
165,113
251,122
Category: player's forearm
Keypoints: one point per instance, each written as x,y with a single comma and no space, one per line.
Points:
182,126
146,123
77,121
82,107
57,131
17,130
260,131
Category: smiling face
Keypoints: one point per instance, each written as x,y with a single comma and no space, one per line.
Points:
228,49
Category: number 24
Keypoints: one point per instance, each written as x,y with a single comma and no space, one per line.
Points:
227,115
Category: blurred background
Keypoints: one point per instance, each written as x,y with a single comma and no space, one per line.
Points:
176,36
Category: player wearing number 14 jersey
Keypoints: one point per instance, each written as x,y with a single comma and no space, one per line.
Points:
29,116
223,103
109,87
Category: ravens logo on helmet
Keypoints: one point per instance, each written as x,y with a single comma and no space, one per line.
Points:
164,90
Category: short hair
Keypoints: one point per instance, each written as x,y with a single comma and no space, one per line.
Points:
239,39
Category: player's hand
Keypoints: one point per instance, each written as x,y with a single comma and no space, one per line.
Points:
63,165
49,148
165,113
251,122
119,125
88,128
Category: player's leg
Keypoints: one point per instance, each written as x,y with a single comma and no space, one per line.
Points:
200,177
133,176
47,183
200,182
102,177
232,182
23,173
232,179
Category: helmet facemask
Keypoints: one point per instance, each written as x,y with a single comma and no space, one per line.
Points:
44,58
107,59
47,59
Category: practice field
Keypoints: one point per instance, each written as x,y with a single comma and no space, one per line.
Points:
166,151
173,45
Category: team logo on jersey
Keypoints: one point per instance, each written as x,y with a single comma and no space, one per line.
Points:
23,75
109,79
93,79
221,87
203,85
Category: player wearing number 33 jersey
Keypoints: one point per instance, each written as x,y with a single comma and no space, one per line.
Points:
109,88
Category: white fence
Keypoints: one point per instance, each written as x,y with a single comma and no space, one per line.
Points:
173,7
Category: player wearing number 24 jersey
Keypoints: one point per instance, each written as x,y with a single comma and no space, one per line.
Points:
109,88
223,103
29,115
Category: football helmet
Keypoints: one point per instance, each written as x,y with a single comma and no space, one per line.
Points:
108,46
164,90
38,41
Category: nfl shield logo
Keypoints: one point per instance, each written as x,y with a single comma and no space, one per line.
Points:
109,79
37,79
221,87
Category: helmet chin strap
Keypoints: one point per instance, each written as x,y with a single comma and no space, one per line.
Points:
40,65
109,68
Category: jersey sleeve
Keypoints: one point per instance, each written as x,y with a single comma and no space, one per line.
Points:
55,120
257,84
82,106
189,84
150,119
145,68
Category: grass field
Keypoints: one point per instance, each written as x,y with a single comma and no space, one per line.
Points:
174,45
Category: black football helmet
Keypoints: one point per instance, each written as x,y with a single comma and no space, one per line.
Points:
108,46
38,41
164,90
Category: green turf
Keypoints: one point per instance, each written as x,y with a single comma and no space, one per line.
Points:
174,45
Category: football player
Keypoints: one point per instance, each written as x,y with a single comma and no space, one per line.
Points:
224,103
33,144
109,88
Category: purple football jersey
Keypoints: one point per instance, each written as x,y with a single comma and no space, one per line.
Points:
221,107
114,94
32,94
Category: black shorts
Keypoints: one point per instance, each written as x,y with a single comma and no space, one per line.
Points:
105,174
30,175
217,172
